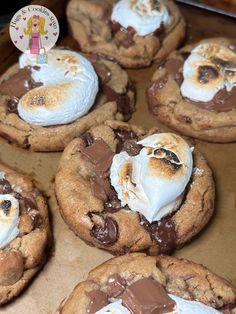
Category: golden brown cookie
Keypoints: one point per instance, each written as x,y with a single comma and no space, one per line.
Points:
90,206
125,278
91,26
213,121
24,234
115,100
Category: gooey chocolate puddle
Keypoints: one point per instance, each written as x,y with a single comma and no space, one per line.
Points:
144,296
223,100
99,153
17,86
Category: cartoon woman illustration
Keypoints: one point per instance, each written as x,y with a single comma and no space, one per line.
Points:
35,28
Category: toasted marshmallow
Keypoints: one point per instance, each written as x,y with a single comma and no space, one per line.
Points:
145,16
114,308
9,219
194,307
153,181
208,69
69,88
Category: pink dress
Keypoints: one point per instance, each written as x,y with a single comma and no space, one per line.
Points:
35,38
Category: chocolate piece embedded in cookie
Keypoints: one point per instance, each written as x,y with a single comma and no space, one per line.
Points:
135,33
150,285
133,190
197,96
44,112
24,232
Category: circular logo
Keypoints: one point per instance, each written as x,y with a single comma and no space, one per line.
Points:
34,29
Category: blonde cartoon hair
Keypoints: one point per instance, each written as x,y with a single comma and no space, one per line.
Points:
28,30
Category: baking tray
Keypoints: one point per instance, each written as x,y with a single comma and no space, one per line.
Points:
70,258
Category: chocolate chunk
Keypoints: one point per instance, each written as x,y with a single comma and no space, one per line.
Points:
123,36
124,105
98,300
115,286
162,231
87,138
147,296
12,103
131,147
124,135
5,206
174,68
113,205
101,188
5,187
223,101
160,32
106,234
206,73
26,204
19,83
98,151
102,71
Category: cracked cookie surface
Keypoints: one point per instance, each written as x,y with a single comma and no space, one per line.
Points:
24,255
96,215
90,23
179,277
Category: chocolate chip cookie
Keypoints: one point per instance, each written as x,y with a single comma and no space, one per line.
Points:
117,212
136,283
24,232
97,28
115,100
194,91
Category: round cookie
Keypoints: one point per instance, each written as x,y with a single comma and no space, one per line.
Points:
130,277
91,208
24,232
213,121
115,100
92,27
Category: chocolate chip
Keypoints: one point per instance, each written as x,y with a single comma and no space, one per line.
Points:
98,299
106,234
113,205
5,205
26,204
162,231
123,135
5,187
131,147
12,104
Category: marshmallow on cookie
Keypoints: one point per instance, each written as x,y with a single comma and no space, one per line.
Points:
152,182
69,89
145,16
209,69
9,219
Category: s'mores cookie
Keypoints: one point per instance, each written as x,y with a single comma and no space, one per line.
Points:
194,91
45,106
133,32
140,284
123,189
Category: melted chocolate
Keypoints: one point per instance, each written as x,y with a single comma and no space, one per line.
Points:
147,296
123,102
102,71
106,234
26,204
12,103
115,286
124,135
5,187
113,205
87,138
223,101
98,300
19,83
123,36
162,231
